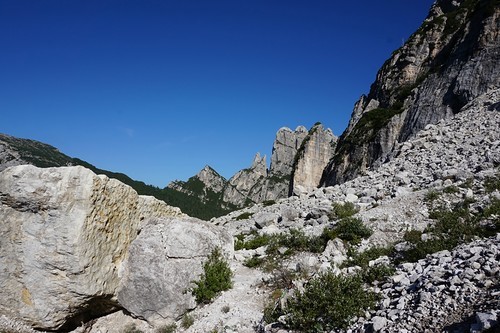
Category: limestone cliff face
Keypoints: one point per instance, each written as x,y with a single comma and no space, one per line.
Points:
285,148
451,59
311,159
66,232
247,186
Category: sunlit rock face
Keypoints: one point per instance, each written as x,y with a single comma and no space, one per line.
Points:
65,234
451,59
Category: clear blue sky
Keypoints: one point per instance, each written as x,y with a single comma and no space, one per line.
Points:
157,89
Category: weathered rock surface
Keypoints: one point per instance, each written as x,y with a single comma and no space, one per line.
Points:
311,159
163,261
247,185
65,234
285,147
453,58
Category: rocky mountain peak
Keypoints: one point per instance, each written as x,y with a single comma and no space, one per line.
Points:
285,146
314,153
451,59
259,164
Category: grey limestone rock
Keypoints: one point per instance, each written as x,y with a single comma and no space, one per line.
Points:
247,184
162,262
65,234
314,154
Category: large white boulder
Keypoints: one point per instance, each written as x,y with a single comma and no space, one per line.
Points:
64,234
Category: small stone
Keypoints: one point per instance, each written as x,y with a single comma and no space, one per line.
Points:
378,323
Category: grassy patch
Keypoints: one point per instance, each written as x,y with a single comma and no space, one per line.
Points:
254,262
432,196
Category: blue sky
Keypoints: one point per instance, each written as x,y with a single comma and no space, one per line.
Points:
157,89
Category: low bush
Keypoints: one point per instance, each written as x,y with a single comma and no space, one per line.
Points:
268,203
377,273
255,241
432,196
328,302
244,216
451,227
352,230
363,258
492,184
254,262
187,321
216,277
341,211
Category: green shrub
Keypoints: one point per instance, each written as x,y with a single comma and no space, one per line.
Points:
244,216
451,189
226,309
187,321
341,211
216,277
253,243
377,273
297,240
352,230
451,228
328,302
167,328
413,236
362,259
268,203
492,184
432,196
254,262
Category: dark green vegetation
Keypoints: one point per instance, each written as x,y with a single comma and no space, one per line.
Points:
452,227
340,211
244,216
188,200
327,302
43,155
348,229
217,276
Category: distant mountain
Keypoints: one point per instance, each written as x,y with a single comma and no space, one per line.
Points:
297,162
207,194
16,151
